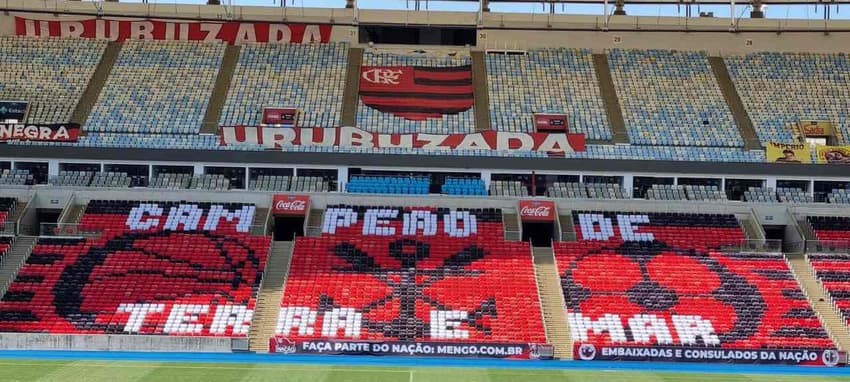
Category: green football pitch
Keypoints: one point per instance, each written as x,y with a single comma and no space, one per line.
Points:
120,371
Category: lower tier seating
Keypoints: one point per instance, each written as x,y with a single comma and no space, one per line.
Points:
184,269
411,274
833,271
7,207
5,243
659,279
831,228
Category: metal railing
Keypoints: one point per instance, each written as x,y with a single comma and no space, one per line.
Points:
827,246
753,246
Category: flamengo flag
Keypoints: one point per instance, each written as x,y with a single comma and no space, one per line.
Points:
417,93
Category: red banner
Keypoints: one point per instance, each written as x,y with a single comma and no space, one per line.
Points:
290,204
278,137
39,132
417,93
234,33
537,210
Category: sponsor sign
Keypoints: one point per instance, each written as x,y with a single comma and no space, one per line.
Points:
813,128
277,137
280,116
833,154
592,352
39,132
233,33
413,349
551,122
417,93
776,152
290,204
13,111
537,210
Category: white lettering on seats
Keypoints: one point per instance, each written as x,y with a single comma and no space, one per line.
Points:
244,216
580,325
420,220
184,318
445,324
375,222
643,328
470,224
296,317
646,326
134,220
628,229
189,215
338,217
236,316
627,224
342,318
690,328
138,313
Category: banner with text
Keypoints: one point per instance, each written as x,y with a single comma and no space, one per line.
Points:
39,132
233,33
13,111
415,349
278,137
833,154
776,152
817,357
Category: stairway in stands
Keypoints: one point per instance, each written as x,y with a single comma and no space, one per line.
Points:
268,299
12,261
95,85
512,229
74,214
350,94
20,207
736,106
314,220
220,90
821,303
552,302
610,100
480,91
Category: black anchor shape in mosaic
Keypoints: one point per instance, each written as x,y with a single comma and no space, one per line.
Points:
407,326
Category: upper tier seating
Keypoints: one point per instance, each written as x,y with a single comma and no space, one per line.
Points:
270,183
310,77
464,186
154,266
671,98
606,191
572,190
760,195
665,268
51,74
16,177
159,87
793,195
666,192
782,88
508,188
412,275
371,119
309,184
702,192
171,181
111,179
839,196
561,81
389,184
210,182
72,178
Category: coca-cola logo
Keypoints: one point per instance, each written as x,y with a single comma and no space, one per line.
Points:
539,211
291,205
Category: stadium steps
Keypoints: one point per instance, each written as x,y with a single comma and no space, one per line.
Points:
351,93
73,216
510,222
314,222
568,229
20,208
261,217
552,302
610,100
821,302
14,259
806,227
222,87
752,228
95,85
733,99
269,297
481,91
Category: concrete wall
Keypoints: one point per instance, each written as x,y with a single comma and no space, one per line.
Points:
35,341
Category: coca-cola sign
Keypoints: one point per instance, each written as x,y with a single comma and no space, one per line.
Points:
537,210
290,204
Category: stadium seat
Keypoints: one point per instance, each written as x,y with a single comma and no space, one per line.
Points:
389,184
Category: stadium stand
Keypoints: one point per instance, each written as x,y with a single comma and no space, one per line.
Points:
605,191
157,87
310,184
417,276
165,268
671,98
72,178
111,179
839,196
5,244
171,181
389,184
760,195
270,183
464,186
793,195
16,177
310,77
371,119
508,188
671,272
559,81
7,208
666,192
210,182
782,88
570,190
833,272
50,74
704,193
